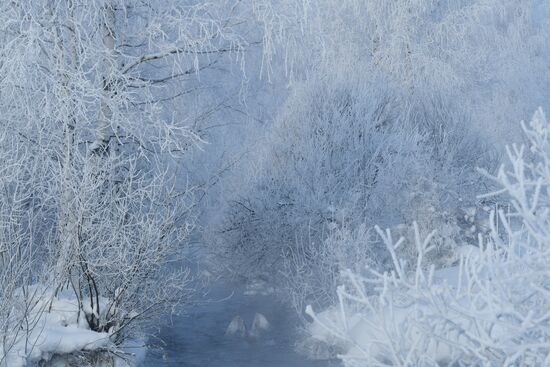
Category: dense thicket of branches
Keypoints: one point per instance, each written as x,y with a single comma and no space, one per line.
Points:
102,101
400,102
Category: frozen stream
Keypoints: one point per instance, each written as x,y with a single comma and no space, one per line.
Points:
197,339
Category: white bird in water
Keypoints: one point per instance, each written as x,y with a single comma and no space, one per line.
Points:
237,327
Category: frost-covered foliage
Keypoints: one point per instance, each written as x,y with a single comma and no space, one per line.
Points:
393,104
344,152
101,103
489,55
312,270
491,309
24,226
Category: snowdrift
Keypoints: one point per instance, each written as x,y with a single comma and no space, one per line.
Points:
46,328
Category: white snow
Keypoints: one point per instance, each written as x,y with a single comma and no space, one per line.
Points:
56,328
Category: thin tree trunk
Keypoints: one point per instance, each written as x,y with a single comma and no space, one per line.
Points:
105,129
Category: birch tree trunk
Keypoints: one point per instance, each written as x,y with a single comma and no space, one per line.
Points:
105,129
65,54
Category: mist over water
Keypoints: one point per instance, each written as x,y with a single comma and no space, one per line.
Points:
197,339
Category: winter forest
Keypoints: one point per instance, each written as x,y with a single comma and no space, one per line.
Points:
274,183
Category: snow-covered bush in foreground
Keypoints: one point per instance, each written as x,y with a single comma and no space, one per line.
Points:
491,309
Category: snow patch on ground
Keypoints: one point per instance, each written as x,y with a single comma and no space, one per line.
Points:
54,327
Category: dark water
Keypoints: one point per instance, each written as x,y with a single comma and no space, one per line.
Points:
198,338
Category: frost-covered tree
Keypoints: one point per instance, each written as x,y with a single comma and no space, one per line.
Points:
102,101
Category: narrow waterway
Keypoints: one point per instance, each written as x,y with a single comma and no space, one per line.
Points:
198,338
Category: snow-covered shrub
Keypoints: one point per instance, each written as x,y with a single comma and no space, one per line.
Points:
112,282
46,309
127,233
345,152
312,269
491,309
